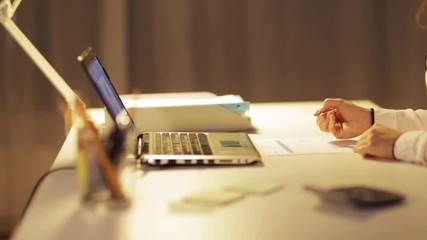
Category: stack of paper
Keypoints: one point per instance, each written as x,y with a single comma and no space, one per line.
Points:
199,111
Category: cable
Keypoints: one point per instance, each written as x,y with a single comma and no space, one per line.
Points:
39,182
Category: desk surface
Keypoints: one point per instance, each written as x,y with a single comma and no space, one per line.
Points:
290,213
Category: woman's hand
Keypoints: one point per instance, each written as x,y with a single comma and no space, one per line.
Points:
377,141
343,118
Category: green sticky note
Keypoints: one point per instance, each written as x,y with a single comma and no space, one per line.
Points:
255,186
189,207
214,197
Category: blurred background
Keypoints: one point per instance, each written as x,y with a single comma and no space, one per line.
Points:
264,50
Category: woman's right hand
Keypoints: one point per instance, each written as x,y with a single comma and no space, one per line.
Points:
343,118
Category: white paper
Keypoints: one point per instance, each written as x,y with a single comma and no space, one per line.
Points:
304,145
159,102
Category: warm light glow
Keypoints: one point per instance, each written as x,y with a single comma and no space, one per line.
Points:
421,16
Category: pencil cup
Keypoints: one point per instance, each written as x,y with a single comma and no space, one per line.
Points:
99,178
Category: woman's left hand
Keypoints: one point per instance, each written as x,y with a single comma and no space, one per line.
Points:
377,141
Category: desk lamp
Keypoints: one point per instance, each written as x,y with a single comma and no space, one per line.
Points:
7,9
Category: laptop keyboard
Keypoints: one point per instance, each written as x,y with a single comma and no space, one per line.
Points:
179,143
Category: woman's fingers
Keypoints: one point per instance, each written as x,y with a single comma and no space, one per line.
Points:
322,122
361,146
327,122
332,122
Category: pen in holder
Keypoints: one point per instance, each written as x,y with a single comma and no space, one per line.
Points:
98,169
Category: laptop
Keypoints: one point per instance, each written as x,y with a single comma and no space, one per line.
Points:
169,148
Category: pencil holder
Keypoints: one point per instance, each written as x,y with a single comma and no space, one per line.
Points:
100,177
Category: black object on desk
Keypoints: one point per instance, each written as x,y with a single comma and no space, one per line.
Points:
359,196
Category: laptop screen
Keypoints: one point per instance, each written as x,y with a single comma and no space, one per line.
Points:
100,79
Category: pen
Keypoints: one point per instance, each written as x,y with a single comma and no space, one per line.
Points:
318,112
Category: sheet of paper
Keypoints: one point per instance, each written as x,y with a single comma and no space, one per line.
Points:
159,102
304,145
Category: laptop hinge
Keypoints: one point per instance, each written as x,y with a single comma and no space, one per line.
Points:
139,145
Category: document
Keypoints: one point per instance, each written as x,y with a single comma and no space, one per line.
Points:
171,99
304,145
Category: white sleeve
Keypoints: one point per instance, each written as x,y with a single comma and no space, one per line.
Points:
411,146
402,120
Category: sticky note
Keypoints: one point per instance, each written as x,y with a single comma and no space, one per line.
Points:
255,186
214,197
189,207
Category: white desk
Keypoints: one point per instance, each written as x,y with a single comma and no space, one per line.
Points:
290,213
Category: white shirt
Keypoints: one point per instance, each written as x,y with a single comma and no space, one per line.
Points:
411,146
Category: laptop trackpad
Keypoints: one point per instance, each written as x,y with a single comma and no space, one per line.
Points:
231,144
